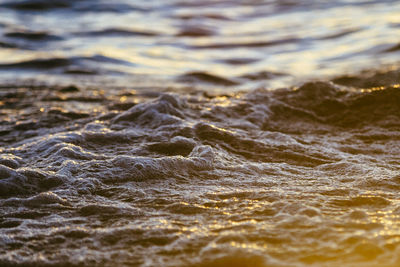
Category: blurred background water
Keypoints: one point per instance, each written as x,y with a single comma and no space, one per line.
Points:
248,43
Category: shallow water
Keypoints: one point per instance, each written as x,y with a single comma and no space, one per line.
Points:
174,147
289,177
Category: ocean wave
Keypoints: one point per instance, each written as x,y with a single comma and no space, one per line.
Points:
32,36
119,32
226,179
205,77
250,44
37,4
82,6
168,133
91,65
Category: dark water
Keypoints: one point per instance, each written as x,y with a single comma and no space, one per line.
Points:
151,133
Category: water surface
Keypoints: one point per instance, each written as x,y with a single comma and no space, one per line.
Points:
153,133
152,43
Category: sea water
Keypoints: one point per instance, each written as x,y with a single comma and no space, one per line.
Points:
196,133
